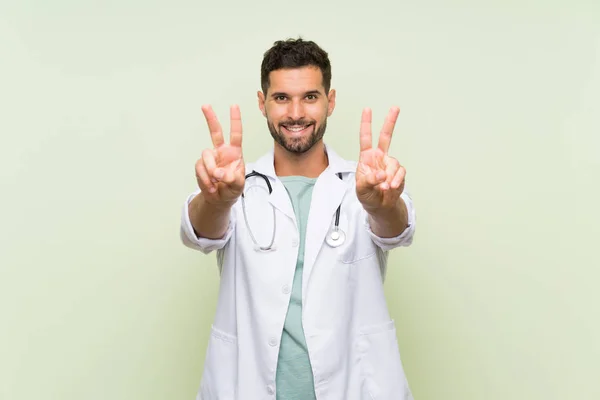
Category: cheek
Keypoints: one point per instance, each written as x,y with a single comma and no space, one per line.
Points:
318,113
275,114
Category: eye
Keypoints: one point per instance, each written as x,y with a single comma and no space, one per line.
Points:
311,97
280,98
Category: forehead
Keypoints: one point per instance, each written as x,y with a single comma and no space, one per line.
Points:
296,80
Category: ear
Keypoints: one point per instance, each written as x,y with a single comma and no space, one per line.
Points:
331,99
261,103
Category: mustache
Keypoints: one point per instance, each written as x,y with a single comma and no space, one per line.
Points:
299,122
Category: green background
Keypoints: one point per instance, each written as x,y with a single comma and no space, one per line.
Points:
101,126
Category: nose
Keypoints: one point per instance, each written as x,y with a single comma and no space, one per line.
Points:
296,110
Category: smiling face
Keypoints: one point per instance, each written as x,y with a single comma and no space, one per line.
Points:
296,106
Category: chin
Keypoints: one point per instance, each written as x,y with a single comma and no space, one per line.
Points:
299,146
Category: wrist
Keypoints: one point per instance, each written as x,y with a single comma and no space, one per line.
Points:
217,205
392,217
385,210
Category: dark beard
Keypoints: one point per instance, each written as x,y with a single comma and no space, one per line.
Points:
300,145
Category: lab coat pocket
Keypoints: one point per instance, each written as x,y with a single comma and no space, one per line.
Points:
357,246
381,372
219,381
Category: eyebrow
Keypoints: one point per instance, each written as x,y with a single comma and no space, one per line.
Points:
310,92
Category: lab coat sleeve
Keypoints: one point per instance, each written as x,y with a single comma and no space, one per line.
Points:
191,240
405,238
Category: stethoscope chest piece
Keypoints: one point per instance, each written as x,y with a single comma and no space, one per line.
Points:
336,238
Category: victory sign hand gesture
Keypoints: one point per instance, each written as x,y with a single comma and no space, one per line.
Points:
220,172
379,177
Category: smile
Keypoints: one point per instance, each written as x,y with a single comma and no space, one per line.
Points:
297,130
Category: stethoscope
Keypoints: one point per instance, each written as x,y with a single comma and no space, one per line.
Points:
334,238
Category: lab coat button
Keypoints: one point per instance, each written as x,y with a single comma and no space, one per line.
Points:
273,342
286,289
295,242
270,390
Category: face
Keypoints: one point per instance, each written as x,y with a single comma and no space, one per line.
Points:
296,107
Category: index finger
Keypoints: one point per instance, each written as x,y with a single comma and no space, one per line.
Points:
216,133
366,141
236,126
385,137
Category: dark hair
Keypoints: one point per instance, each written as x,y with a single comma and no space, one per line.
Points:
295,53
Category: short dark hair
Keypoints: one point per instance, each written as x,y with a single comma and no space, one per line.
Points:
295,53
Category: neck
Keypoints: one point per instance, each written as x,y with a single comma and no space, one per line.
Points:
310,164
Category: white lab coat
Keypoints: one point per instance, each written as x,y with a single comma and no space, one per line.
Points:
350,336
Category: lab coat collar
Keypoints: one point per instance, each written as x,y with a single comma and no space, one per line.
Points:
266,164
329,188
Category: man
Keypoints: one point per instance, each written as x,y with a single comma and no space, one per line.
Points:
301,311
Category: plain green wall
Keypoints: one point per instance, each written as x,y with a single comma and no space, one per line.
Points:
101,125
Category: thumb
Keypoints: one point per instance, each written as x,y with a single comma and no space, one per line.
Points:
235,176
369,180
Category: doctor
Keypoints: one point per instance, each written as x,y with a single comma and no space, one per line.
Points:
301,311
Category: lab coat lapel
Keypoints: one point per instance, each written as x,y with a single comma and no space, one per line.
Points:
279,198
327,195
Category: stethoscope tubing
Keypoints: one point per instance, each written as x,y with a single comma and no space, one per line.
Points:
336,235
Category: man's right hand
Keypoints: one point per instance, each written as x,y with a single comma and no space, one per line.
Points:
220,172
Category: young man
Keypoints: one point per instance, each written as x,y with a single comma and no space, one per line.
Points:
301,245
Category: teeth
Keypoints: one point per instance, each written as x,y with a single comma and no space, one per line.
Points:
295,128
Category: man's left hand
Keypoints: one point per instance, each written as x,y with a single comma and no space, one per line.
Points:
379,177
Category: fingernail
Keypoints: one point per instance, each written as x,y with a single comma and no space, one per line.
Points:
212,189
219,173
